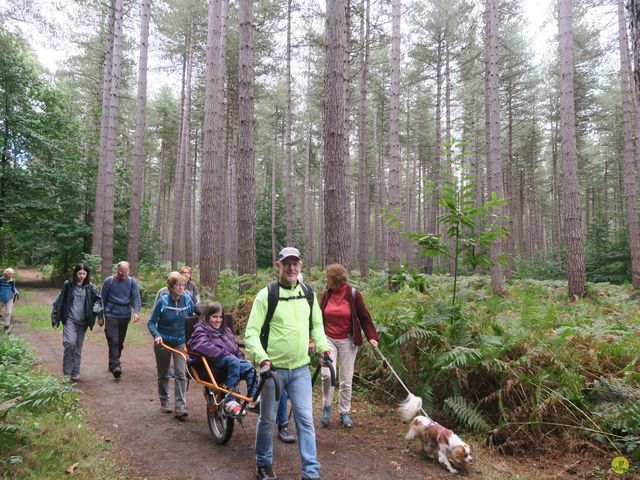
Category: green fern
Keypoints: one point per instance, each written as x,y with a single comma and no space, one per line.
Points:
459,357
466,414
415,332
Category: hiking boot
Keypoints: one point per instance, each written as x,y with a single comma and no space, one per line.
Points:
325,418
284,434
75,378
265,472
117,372
181,412
165,408
345,419
7,329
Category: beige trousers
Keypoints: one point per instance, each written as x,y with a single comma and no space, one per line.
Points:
344,351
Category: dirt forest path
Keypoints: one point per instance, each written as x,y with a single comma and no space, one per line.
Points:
126,413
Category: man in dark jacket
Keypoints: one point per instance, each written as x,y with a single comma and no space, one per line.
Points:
120,293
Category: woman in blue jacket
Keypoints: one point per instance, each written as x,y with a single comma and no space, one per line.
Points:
167,326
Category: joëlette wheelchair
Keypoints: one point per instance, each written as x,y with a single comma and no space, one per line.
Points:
220,422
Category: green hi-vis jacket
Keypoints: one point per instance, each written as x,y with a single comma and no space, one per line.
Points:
288,345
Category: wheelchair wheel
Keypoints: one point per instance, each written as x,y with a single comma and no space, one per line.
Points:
220,425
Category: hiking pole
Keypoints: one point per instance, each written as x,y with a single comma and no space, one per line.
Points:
388,364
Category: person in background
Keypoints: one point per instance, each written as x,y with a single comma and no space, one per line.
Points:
287,352
120,293
282,420
218,344
8,295
190,287
343,315
76,307
166,325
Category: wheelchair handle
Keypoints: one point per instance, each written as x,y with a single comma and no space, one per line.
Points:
275,384
329,364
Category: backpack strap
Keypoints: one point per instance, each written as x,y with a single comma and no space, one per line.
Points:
273,297
165,303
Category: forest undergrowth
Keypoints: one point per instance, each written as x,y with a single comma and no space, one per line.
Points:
513,369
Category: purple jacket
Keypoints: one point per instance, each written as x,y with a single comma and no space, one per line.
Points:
213,343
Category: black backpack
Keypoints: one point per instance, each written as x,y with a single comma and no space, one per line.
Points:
273,290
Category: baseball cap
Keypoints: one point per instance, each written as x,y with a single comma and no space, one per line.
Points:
288,252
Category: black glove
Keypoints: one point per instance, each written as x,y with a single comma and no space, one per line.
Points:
265,370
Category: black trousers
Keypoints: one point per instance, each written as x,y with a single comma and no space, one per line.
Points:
115,330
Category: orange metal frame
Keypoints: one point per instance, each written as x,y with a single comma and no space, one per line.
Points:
210,384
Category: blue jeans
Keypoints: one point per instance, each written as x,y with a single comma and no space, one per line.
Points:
282,409
297,383
238,369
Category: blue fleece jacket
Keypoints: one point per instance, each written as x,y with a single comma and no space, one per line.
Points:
118,296
168,317
7,289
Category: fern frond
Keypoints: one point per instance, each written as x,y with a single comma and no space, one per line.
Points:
415,332
466,414
459,357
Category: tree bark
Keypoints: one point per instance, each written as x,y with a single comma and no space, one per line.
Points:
393,255
307,201
184,152
630,181
492,113
289,194
572,212
432,221
138,148
110,158
336,195
246,180
107,73
363,178
208,207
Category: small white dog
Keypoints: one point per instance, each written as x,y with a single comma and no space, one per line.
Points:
437,441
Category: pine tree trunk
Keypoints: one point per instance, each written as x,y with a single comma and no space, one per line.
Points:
184,152
630,180
220,194
363,179
138,149
432,222
289,194
494,170
110,168
573,212
379,197
394,134
336,195
555,195
208,207
246,179
307,204
107,72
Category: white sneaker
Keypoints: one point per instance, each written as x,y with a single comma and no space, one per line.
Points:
232,407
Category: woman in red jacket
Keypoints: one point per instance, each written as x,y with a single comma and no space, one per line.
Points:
344,314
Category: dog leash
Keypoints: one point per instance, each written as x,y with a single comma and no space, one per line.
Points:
388,364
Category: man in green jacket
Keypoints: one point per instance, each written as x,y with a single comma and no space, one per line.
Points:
287,353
